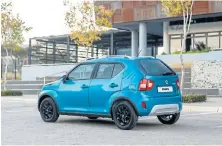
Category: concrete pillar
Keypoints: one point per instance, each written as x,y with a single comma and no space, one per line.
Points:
54,52
30,52
111,49
134,43
68,49
143,39
166,38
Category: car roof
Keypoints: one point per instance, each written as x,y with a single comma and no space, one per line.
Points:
122,59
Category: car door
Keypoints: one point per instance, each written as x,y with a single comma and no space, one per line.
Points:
73,93
107,81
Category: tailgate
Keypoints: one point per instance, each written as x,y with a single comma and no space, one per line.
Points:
164,85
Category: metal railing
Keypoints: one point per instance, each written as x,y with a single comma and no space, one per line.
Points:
44,77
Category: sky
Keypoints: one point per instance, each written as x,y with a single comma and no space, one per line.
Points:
46,17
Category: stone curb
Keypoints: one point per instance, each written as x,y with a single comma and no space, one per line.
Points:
202,109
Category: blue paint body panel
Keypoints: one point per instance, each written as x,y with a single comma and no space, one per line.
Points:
98,95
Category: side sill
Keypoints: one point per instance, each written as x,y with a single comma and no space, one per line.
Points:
84,115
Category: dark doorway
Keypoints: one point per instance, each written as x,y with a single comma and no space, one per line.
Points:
188,42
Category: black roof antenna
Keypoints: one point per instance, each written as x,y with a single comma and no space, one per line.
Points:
139,53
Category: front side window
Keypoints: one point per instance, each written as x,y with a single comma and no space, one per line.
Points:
82,72
105,71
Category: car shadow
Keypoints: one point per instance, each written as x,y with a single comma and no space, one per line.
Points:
141,125
87,121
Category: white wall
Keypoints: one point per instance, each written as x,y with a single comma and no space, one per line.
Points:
175,58
31,72
195,28
207,74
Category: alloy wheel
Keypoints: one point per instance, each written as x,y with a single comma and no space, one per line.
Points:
123,115
167,117
47,110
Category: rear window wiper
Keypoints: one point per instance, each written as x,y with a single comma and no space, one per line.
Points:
168,73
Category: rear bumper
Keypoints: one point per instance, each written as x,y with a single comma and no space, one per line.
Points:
164,109
160,106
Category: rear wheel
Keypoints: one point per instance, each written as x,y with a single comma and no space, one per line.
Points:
92,118
169,119
48,110
124,115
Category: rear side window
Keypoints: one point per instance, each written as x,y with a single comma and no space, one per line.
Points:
105,71
156,68
117,69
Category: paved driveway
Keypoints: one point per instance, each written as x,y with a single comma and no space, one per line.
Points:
21,124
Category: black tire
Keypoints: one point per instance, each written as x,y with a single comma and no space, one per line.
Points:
127,119
48,110
92,118
169,119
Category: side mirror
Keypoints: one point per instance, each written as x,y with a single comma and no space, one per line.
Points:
64,78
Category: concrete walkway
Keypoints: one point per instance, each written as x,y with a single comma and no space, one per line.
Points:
211,105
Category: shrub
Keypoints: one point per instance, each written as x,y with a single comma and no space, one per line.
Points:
2,82
163,53
197,51
176,52
11,93
194,98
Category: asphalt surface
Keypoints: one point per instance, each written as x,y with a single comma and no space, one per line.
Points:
21,124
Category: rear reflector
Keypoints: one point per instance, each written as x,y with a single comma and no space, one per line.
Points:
146,85
143,104
178,83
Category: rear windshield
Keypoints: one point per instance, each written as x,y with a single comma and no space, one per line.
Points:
156,68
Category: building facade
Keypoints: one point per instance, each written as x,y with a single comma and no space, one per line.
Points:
139,28
146,18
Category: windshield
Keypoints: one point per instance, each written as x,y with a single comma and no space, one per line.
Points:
156,68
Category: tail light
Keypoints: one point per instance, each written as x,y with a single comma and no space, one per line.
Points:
178,83
146,85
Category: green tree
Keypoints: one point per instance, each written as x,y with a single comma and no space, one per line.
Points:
178,8
87,22
12,29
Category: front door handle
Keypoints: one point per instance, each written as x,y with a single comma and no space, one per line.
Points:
113,85
84,86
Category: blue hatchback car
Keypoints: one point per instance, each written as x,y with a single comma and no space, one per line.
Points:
121,88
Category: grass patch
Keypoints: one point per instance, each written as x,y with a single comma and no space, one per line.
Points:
190,98
11,93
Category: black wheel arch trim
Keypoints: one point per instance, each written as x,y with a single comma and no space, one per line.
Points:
126,99
41,98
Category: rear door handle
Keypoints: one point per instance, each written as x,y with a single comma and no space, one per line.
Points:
84,86
113,85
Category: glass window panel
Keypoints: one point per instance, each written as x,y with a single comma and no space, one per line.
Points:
197,41
105,71
117,69
213,42
175,45
82,72
221,42
126,51
155,67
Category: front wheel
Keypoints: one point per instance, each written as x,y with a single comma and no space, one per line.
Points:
169,119
48,110
124,115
